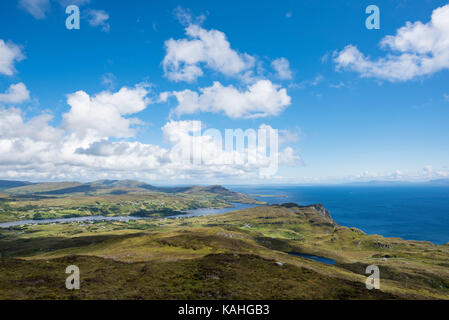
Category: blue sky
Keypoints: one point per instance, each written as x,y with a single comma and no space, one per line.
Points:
349,103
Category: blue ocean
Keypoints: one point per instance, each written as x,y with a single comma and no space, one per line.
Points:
408,212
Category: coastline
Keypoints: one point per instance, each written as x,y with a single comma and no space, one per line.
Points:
416,213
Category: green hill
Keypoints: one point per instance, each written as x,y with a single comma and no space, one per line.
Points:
105,187
110,198
6,184
239,255
37,188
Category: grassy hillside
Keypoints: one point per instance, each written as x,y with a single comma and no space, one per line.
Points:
104,187
6,184
239,255
41,187
109,198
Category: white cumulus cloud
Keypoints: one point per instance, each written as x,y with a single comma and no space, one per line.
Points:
186,57
9,54
261,99
36,150
417,49
16,93
93,142
282,68
102,115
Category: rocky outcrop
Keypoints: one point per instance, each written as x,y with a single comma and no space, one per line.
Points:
381,245
317,207
357,231
322,210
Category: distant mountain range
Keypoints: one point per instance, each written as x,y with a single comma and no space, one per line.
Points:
133,186
102,187
436,182
5,184
444,182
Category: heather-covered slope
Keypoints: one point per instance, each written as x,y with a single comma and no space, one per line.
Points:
239,255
